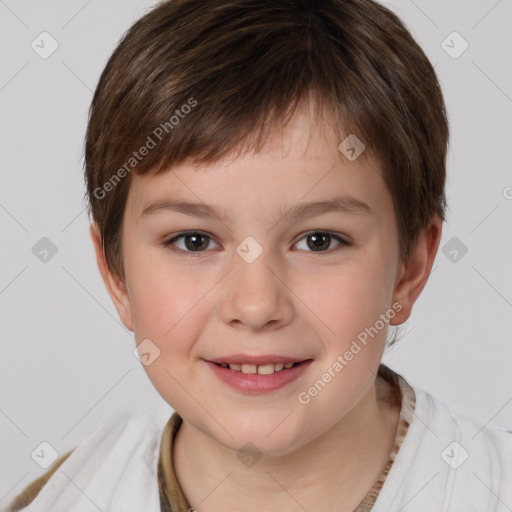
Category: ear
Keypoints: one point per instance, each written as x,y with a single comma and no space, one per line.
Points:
115,287
413,275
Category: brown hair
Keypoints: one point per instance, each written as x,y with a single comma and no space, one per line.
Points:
195,80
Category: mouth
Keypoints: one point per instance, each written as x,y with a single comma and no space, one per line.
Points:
261,369
255,375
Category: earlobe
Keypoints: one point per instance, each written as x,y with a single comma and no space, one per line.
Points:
115,287
413,275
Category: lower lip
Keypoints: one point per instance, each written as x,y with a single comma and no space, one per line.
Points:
256,383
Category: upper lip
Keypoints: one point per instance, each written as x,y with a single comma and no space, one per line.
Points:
256,359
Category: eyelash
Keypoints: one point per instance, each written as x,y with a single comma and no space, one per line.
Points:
168,243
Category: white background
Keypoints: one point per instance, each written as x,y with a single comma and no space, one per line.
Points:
66,360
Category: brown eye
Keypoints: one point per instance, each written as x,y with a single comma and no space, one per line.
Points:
320,241
194,241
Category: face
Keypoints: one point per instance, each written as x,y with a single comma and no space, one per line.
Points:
258,278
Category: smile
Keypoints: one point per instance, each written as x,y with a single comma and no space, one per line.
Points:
252,378
262,369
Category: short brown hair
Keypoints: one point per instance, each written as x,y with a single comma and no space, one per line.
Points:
242,65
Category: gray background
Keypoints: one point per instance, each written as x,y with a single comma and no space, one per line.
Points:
66,360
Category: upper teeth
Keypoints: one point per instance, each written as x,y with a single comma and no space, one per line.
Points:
262,369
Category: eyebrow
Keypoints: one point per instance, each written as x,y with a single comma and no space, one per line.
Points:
343,204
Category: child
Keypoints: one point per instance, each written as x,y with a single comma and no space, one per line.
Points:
304,144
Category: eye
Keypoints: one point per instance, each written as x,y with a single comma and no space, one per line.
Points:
317,241
194,241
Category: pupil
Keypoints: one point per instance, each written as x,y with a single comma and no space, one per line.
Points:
318,238
196,238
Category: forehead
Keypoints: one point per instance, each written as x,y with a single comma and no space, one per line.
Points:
301,162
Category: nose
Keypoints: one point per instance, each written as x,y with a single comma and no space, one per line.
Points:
256,296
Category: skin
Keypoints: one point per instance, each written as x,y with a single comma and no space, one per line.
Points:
291,300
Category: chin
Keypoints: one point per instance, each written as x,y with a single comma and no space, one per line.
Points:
272,442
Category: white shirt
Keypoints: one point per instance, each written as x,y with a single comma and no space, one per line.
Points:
115,468
430,474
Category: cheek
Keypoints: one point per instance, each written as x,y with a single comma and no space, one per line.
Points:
168,310
347,299
162,294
